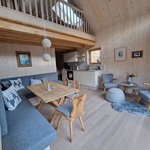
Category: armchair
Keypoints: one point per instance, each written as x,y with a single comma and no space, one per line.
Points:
108,81
145,95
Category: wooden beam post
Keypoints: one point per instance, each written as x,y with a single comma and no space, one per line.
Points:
51,4
60,13
8,3
16,5
23,6
46,6
36,9
42,9
30,7
56,11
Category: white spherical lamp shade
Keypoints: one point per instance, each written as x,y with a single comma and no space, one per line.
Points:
46,43
46,57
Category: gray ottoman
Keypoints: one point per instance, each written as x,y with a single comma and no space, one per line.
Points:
115,95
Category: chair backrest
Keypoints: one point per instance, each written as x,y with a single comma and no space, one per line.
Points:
65,82
76,84
107,78
78,106
147,85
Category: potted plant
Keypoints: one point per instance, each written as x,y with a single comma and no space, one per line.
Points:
130,77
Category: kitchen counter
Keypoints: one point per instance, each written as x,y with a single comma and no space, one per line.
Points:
89,78
83,70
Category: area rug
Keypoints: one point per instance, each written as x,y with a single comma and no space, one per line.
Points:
131,107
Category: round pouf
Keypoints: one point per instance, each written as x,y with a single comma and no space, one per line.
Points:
115,95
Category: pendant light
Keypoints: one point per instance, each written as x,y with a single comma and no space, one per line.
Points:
46,43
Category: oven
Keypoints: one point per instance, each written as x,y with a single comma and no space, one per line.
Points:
70,75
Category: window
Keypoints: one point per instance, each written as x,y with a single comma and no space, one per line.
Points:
95,56
67,14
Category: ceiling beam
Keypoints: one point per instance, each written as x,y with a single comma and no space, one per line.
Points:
6,25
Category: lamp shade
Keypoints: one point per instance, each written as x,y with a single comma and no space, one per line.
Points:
46,43
46,57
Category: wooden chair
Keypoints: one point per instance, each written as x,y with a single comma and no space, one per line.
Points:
71,111
145,95
65,82
75,85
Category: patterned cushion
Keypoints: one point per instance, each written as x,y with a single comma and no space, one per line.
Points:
35,81
5,85
11,98
17,84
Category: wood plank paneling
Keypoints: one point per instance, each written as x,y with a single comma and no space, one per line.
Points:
8,65
101,13
134,34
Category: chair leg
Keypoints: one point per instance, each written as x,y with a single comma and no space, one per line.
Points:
104,89
148,108
81,123
59,119
53,118
71,132
139,99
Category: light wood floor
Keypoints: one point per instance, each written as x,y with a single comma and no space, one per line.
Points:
106,129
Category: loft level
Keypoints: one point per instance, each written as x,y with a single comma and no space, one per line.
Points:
23,28
57,11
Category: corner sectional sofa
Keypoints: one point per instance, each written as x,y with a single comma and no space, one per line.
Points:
26,128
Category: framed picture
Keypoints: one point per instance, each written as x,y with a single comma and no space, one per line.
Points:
23,58
120,54
137,54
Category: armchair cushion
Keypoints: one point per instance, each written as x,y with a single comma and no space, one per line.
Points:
145,94
107,78
110,85
66,109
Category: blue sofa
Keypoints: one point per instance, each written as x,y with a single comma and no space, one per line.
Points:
27,128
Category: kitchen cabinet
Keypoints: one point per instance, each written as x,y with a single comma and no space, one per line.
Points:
88,78
71,57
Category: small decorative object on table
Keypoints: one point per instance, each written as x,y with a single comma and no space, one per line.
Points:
130,78
49,87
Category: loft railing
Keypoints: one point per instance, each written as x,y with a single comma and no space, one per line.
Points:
56,11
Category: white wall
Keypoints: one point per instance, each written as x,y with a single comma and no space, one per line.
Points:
8,62
134,34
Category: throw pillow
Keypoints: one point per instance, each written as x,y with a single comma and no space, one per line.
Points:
5,85
11,98
35,81
17,84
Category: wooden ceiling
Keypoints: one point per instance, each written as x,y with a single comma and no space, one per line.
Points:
101,13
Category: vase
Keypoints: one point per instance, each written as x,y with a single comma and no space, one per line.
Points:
130,80
48,87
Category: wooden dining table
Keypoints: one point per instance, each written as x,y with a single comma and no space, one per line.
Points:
58,91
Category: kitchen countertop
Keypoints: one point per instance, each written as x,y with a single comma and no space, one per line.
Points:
83,70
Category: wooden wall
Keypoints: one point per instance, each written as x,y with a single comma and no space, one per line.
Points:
8,63
134,34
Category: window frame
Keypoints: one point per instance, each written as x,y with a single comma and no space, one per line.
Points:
90,55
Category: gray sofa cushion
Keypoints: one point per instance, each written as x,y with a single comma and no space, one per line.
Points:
26,92
29,130
5,85
3,120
